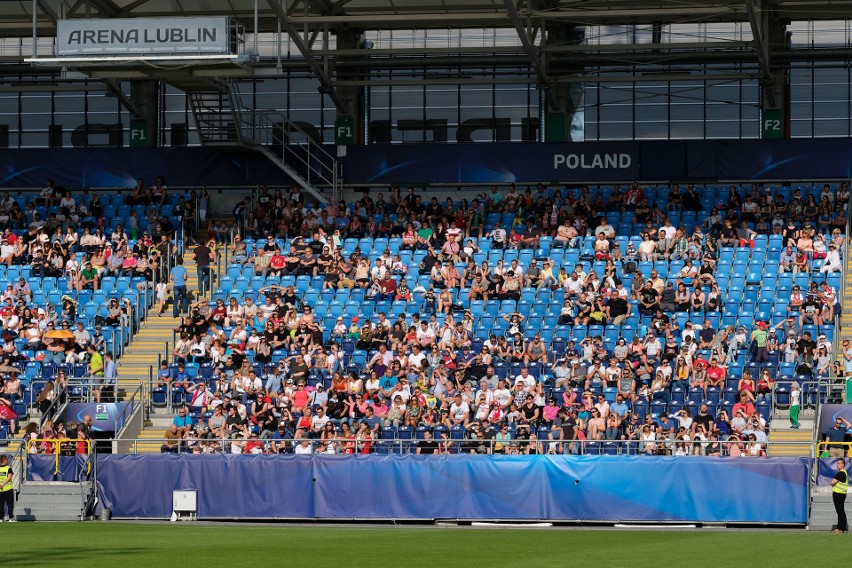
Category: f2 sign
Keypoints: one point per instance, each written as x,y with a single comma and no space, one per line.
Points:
772,124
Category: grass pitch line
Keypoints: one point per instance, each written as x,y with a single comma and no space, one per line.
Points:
512,525
652,527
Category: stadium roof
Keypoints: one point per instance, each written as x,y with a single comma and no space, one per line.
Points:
16,16
540,41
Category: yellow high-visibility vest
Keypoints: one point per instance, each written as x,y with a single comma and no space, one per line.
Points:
7,486
839,487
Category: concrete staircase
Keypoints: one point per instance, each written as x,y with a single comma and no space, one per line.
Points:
52,501
155,337
823,517
151,438
140,358
845,330
797,442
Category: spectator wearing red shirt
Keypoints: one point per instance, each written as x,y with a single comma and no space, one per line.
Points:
715,374
277,264
8,235
744,404
254,445
387,288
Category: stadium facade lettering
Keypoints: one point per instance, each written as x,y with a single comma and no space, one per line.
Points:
592,161
139,36
142,36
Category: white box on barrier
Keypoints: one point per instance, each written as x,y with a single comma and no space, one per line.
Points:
185,502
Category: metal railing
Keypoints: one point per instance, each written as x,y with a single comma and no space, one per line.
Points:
135,401
313,162
52,411
829,390
59,447
826,446
376,444
18,464
82,389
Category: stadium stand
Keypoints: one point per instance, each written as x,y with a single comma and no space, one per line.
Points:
642,319
77,271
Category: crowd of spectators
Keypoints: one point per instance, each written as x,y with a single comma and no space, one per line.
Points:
61,254
264,371
72,438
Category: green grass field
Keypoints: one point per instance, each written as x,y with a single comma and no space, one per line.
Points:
183,544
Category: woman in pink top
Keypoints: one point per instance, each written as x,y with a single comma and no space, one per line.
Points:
550,411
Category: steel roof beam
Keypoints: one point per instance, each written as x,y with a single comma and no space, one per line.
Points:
130,7
114,86
474,19
762,48
644,47
326,85
106,8
528,47
48,11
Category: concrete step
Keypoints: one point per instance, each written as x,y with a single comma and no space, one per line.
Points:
782,423
134,375
792,450
10,446
162,420
141,360
801,435
781,431
52,501
155,345
152,333
152,339
135,371
146,447
161,321
148,350
823,516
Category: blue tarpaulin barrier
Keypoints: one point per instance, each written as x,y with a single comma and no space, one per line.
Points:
43,468
589,488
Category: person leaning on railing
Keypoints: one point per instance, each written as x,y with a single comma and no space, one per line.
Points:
172,438
836,435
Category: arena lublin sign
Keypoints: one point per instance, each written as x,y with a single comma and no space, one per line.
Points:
142,36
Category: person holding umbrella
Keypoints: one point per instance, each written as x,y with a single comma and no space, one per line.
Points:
55,344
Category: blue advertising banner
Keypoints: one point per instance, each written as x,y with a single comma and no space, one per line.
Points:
42,468
492,163
827,469
121,167
106,416
464,163
827,158
592,488
591,162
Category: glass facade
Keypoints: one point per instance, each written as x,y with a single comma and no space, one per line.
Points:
78,112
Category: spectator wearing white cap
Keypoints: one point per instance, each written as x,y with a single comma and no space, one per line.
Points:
832,260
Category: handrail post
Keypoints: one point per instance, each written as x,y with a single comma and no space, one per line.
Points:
148,395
